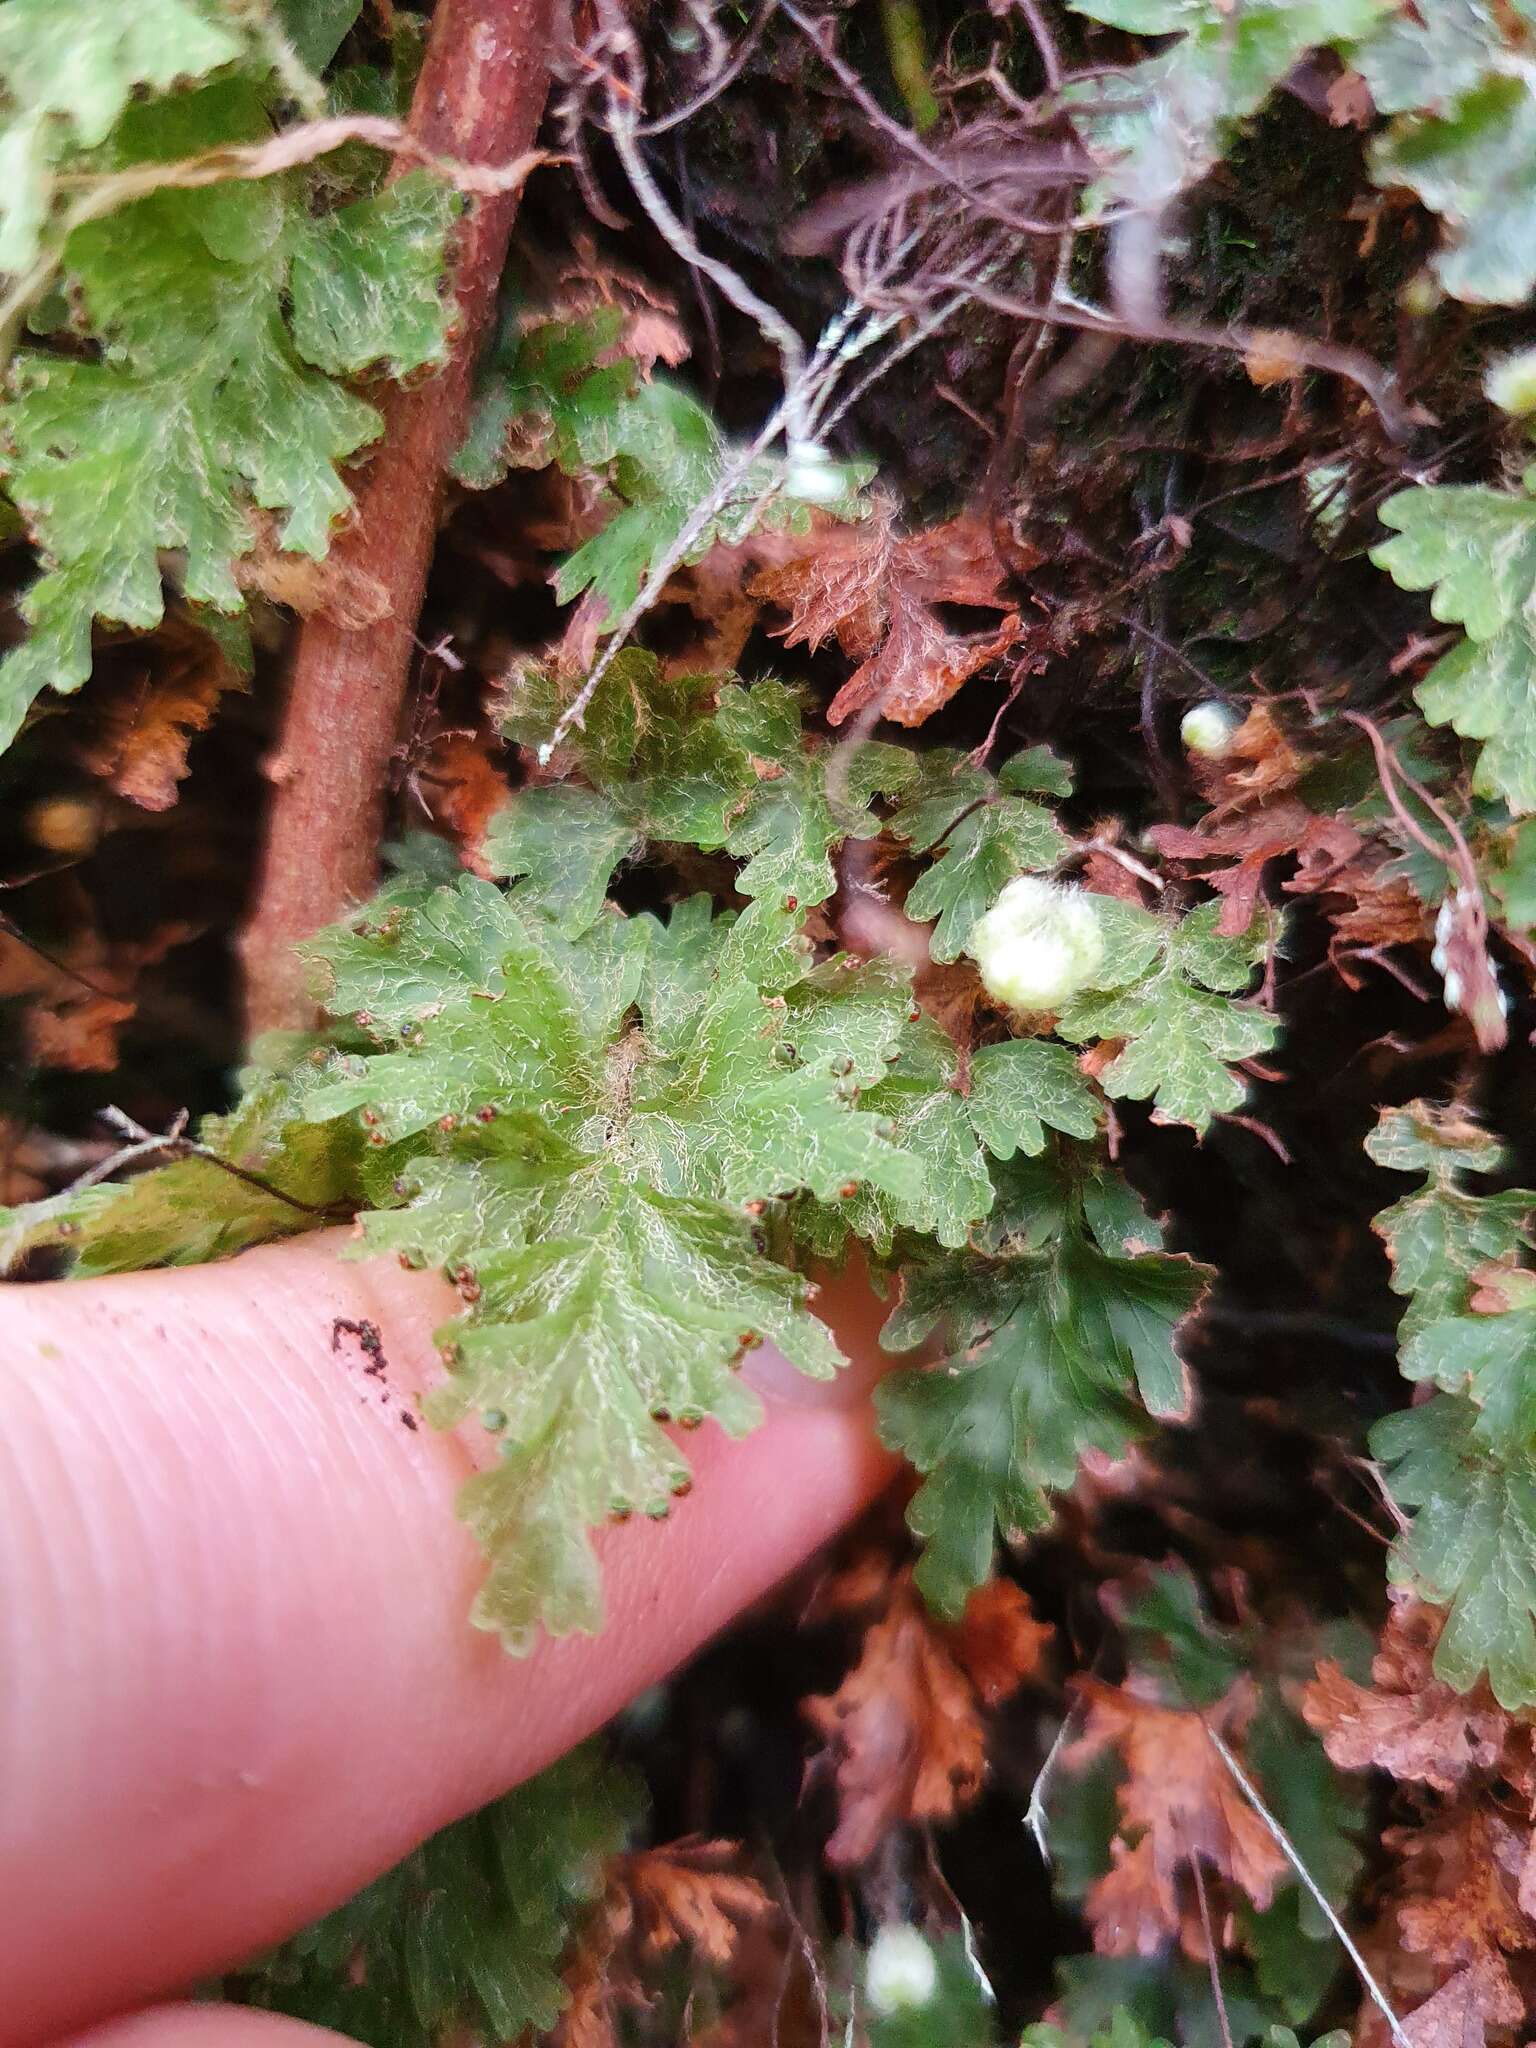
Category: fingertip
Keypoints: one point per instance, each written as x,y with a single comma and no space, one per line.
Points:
847,1303
204,2026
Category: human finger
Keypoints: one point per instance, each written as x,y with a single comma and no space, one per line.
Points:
239,1679
205,2026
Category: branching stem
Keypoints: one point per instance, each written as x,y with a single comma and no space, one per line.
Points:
173,1143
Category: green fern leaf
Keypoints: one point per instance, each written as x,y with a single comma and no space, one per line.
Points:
978,834
566,842
317,28
794,814
577,1127
682,760
1014,1093
1466,1459
1161,125
193,1210
1489,1357
70,69
467,1934
561,391
1464,142
1175,1011
1438,1234
1476,549
1021,1087
1472,1544
1054,1338
212,308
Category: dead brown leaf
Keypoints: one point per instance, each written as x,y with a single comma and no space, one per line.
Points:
1104,875
1256,817
1232,854
20,1178
875,594
1460,1876
1260,763
1407,1721
78,994
776,1993
857,1587
1178,1803
77,1035
464,789
717,591
904,1729
656,1901
689,1893
1456,1944
1097,1058
1369,910
651,332
999,1641
1480,1996
335,588
140,716
1463,1867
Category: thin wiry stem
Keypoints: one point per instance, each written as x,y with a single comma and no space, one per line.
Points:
693,529
1218,1995
1388,766
806,409
625,97
1034,1813
11,930
104,191
842,341
100,193
718,82
905,138
1287,1848
922,330
1107,847
1155,639
1045,44
1379,385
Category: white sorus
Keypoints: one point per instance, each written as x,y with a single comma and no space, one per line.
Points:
811,475
1510,383
1445,926
1039,944
900,1971
1456,906
1208,730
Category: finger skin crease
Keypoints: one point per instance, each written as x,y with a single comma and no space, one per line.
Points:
170,1544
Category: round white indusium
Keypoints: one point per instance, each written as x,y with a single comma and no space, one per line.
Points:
901,1971
1039,944
1208,730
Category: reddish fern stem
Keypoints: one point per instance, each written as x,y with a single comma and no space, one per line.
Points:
479,99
